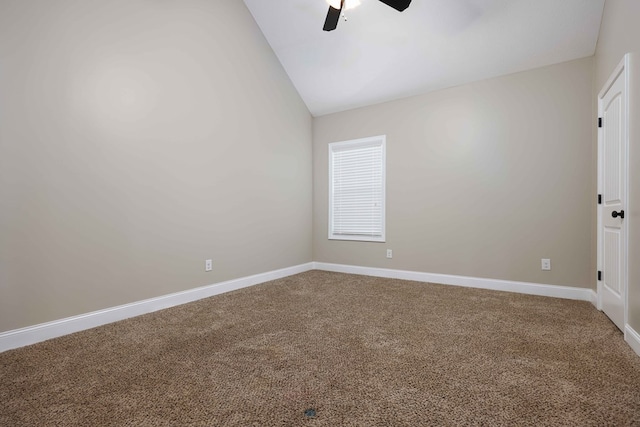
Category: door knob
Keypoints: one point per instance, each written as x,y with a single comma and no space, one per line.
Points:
618,214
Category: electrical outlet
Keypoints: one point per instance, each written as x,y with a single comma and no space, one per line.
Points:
546,264
208,265
389,253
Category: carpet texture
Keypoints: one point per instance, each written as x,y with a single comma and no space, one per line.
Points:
329,349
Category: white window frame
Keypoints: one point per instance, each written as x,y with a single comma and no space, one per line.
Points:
342,146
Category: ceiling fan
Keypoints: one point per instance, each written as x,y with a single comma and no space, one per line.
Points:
333,16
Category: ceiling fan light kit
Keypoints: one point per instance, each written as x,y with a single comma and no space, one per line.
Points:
348,4
337,6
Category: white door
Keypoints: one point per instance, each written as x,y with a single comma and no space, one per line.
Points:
612,186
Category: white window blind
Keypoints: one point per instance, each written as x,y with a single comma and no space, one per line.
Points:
357,189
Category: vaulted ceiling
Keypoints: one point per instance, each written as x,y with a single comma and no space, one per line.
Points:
380,54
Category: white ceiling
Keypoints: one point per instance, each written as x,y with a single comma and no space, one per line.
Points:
380,54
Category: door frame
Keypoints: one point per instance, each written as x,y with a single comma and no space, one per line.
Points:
622,68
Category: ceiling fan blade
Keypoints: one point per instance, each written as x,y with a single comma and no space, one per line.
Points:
398,5
333,16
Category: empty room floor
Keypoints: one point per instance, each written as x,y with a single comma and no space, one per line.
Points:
332,349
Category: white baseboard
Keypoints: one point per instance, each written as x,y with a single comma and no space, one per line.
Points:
33,334
37,333
594,298
632,338
566,292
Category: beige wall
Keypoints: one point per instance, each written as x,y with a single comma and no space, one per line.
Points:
483,180
620,34
137,139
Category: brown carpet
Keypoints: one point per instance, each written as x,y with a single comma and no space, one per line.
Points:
360,351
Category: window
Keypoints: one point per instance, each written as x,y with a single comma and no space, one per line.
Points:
357,189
